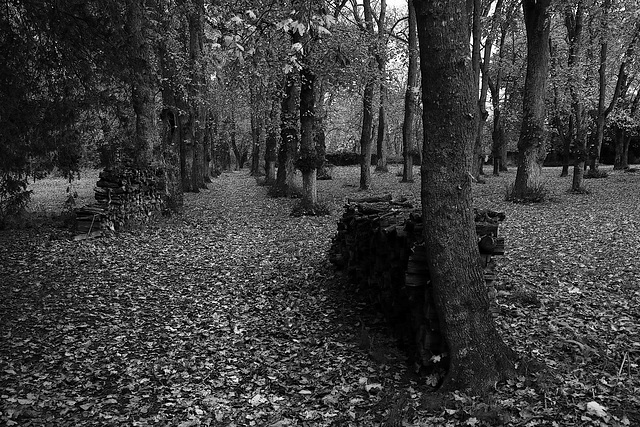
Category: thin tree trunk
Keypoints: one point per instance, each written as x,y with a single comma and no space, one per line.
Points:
574,24
533,135
619,149
319,132
270,155
233,136
289,121
207,142
481,87
625,150
381,145
498,137
602,90
411,98
367,107
365,137
187,154
308,157
381,58
478,356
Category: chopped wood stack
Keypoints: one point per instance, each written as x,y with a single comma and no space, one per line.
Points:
379,244
121,196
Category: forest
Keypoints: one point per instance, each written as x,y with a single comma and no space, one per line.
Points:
171,177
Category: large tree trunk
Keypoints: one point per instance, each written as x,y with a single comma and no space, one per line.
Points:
411,98
197,90
478,356
171,135
533,135
308,157
171,159
142,86
289,133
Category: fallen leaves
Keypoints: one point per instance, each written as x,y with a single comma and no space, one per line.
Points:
230,315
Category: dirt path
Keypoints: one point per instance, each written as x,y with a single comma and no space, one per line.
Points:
226,315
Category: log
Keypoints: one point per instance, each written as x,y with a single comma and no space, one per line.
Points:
380,246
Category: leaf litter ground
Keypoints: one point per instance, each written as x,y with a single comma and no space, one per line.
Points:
231,315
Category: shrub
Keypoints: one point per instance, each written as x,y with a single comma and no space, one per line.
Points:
596,174
14,197
535,194
343,158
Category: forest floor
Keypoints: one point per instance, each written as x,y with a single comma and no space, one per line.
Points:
230,315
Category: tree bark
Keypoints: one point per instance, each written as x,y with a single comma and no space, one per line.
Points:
308,157
289,121
498,137
574,23
602,87
481,88
411,98
533,135
142,85
233,136
365,136
270,155
171,134
367,108
197,89
381,58
319,132
478,356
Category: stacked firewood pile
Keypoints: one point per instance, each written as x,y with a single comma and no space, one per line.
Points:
121,197
379,244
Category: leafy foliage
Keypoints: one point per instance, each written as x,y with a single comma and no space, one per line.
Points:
14,196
